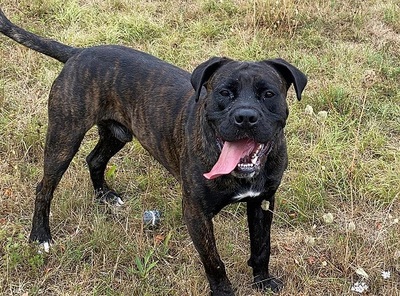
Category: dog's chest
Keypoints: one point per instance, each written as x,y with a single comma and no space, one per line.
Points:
249,193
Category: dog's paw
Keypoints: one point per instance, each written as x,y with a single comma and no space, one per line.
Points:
222,289
223,292
44,247
41,239
109,197
271,283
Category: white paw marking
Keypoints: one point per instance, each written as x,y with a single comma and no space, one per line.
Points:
249,193
44,247
119,202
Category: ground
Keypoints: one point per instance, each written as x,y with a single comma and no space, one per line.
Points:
337,216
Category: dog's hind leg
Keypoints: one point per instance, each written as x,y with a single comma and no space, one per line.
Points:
113,137
61,146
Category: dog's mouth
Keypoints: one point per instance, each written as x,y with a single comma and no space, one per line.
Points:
242,158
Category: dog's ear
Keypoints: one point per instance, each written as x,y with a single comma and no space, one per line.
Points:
291,74
204,71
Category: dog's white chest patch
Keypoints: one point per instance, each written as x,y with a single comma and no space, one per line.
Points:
249,193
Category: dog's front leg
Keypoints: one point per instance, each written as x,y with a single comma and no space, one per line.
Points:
201,231
259,219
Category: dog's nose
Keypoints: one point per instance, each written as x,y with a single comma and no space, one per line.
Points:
245,117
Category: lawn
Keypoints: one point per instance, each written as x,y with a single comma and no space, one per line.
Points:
336,224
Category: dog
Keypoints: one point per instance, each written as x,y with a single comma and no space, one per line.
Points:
219,131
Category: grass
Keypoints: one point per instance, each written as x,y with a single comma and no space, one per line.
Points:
346,164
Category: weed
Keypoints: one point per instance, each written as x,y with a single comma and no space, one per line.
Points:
19,256
111,172
144,265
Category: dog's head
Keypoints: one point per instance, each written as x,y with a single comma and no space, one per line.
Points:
245,105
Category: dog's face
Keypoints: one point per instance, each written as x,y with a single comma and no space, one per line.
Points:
246,108
247,102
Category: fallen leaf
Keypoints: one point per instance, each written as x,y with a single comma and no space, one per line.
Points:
288,248
159,238
7,192
311,260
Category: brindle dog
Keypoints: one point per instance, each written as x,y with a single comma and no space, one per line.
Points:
219,131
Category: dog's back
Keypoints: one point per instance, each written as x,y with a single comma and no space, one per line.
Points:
126,76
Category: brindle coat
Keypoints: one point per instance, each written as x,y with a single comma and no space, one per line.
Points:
181,119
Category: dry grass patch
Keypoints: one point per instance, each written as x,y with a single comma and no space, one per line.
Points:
346,164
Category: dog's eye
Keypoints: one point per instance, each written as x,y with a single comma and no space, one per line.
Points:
268,94
225,93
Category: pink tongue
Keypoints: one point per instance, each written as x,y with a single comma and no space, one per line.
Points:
230,156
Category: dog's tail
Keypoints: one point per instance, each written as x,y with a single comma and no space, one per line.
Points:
49,47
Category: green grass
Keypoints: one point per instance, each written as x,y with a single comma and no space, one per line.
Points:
347,164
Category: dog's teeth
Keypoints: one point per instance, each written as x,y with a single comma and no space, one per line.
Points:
245,165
